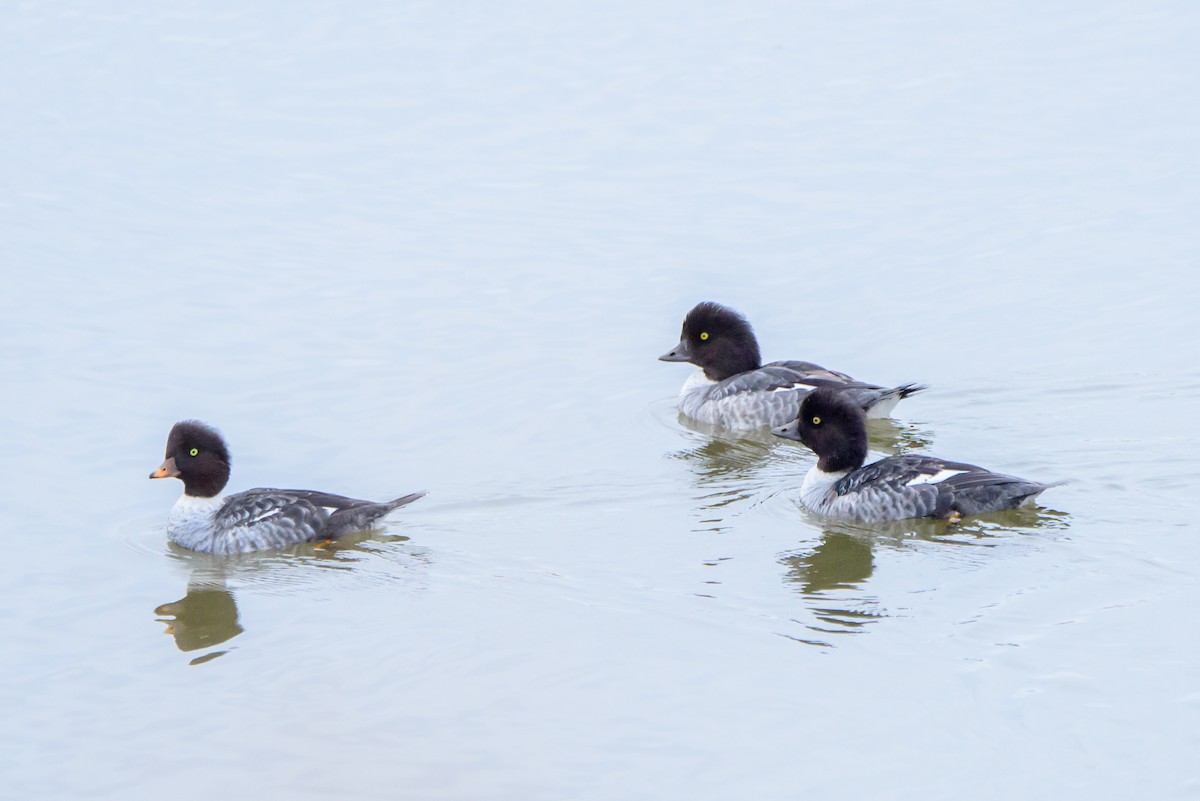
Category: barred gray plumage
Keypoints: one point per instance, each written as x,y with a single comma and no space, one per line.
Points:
736,390
897,487
258,519
771,395
900,487
261,519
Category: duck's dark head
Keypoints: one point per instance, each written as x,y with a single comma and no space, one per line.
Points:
718,340
834,426
197,456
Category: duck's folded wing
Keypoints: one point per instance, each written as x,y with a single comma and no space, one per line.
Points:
276,516
329,501
777,378
933,486
985,491
816,371
876,400
913,470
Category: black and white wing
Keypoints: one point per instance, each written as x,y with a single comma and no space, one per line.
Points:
343,515
985,491
776,378
768,396
875,400
815,371
926,486
259,519
771,395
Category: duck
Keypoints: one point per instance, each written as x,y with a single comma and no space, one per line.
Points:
834,426
258,519
734,389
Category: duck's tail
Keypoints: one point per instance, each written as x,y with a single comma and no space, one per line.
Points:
1043,487
904,390
882,405
406,500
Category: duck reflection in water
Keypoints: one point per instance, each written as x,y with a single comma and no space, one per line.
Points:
840,561
832,575
729,469
893,437
206,616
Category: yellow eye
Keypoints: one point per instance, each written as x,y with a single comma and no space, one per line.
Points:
703,335
816,422
194,451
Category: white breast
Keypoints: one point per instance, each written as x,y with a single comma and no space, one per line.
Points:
191,521
693,394
817,490
696,382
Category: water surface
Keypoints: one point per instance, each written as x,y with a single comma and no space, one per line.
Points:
440,246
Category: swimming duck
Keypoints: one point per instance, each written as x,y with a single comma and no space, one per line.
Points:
733,388
205,520
895,488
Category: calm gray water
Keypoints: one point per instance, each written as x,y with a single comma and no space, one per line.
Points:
440,247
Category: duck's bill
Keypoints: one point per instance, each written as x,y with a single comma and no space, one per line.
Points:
790,431
679,353
166,470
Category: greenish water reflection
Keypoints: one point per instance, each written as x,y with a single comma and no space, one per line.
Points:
833,574
839,562
206,616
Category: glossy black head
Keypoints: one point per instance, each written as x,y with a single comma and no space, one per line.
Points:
834,426
718,340
197,456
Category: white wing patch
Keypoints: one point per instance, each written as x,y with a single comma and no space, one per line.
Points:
265,515
936,478
330,509
796,385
